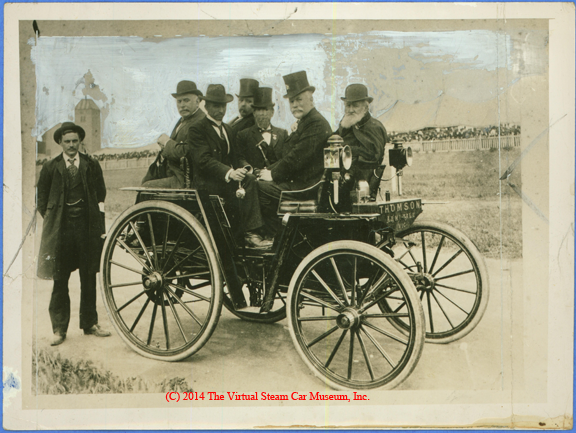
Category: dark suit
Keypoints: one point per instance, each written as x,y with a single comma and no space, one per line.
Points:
71,235
248,141
212,158
174,150
241,123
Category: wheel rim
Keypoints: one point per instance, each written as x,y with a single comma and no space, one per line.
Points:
447,278
342,333
160,285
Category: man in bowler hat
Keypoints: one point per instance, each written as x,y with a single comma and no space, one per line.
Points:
365,135
302,162
217,168
246,95
71,193
263,143
173,148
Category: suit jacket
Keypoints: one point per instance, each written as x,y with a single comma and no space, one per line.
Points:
367,139
302,162
240,124
177,146
210,156
51,199
249,153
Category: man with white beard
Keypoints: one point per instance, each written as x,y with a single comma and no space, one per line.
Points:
365,135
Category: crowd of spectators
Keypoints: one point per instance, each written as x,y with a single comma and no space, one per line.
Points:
454,133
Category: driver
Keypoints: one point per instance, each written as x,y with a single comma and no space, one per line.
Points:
365,135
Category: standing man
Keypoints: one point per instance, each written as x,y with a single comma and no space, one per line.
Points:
365,135
246,96
71,194
173,148
214,157
262,145
302,162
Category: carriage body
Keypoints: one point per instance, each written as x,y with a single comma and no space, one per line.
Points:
335,271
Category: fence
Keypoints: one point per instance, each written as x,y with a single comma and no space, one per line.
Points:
119,164
483,143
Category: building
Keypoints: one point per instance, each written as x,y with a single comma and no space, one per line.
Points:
87,115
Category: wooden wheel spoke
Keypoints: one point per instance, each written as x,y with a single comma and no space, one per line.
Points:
373,288
315,318
365,353
190,292
176,245
340,281
177,318
154,248
354,274
166,238
198,275
455,274
423,237
410,252
328,289
322,337
151,331
182,261
320,301
383,332
454,288
183,305
333,353
133,254
442,309
165,321
448,262
378,299
437,254
351,354
369,286
378,346
400,306
139,315
452,302
144,247
430,312
136,271
384,315
135,283
130,301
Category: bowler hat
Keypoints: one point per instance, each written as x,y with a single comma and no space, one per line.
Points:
357,92
296,83
217,93
263,98
66,128
248,88
185,87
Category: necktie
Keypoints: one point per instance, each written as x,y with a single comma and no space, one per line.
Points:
72,169
262,130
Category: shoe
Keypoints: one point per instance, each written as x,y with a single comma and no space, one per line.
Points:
97,331
254,240
58,339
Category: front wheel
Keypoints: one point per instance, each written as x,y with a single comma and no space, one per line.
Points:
451,278
335,322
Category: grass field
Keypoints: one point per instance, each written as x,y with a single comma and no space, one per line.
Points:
468,181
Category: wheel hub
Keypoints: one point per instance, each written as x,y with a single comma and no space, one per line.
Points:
424,281
153,281
348,319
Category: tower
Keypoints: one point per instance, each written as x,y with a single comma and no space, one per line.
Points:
87,115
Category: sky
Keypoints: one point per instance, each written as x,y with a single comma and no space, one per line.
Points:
131,78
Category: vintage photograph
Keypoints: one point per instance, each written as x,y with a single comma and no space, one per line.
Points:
298,214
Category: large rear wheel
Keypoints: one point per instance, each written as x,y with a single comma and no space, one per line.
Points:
160,281
335,322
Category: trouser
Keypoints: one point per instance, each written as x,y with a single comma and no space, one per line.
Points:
74,255
269,194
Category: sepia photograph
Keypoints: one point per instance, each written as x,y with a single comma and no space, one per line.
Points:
288,215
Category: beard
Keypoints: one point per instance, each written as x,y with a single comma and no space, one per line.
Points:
349,120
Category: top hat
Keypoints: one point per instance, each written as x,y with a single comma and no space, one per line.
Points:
248,88
263,98
217,93
357,92
185,87
296,83
66,128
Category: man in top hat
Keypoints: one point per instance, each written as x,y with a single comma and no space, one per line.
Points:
217,169
71,193
173,148
262,145
302,161
248,88
365,135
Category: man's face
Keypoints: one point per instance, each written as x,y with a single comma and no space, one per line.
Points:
263,116
70,144
215,110
301,104
358,108
245,106
187,104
